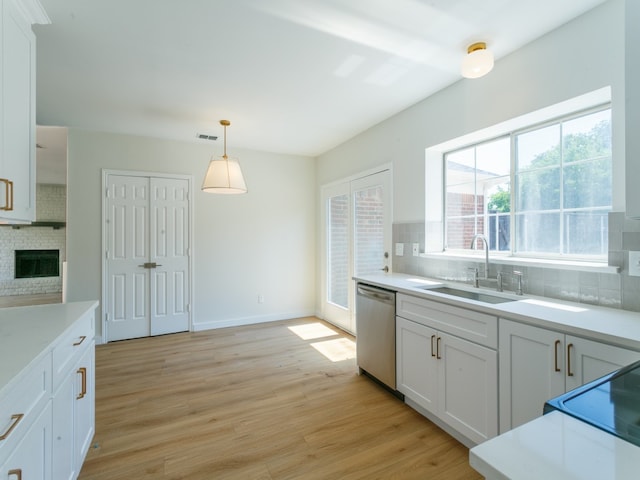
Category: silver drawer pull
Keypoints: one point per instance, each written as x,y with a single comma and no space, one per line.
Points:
15,420
82,339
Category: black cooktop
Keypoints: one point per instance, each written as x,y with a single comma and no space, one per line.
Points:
611,403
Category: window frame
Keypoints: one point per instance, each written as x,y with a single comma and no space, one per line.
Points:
512,134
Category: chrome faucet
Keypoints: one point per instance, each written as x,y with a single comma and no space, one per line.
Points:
474,241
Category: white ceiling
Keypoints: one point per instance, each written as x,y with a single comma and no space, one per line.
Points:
293,76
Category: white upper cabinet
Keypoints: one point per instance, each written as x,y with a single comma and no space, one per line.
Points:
17,104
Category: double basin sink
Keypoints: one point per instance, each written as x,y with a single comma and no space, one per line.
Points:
470,295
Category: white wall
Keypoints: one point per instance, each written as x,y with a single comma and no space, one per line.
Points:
261,243
583,55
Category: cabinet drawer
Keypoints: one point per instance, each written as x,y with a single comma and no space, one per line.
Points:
71,346
23,402
468,324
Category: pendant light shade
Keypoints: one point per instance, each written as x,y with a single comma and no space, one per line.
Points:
478,61
224,174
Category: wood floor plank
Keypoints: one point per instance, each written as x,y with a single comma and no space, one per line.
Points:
256,402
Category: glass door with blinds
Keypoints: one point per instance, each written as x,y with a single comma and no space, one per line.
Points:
357,239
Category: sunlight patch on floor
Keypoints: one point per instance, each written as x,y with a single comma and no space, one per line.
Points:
309,331
337,350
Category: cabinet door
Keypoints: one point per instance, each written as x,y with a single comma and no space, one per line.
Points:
588,360
416,362
32,457
63,427
468,387
531,371
17,159
84,406
74,418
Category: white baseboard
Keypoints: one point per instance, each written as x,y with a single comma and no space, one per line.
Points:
242,321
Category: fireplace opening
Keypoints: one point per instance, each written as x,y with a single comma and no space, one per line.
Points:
37,263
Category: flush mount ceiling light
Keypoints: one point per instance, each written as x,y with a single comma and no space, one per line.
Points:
224,174
478,61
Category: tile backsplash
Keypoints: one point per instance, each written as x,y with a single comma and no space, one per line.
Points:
615,290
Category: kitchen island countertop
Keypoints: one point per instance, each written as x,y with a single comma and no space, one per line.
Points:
26,333
556,447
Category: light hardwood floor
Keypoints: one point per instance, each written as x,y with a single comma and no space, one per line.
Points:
256,402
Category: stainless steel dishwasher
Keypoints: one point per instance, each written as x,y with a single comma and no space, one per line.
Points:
376,333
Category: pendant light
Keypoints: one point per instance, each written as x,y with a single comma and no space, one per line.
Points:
478,61
224,174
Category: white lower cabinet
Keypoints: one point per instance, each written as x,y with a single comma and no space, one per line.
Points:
31,459
47,410
450,377
416,368
74,418
537,364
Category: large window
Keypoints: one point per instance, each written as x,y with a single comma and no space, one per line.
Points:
543,191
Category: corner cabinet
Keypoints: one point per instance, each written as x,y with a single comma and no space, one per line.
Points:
537,364
17,104
47,393
447,364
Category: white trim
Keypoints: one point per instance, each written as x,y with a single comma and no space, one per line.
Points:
357,176
347,182
601,96
528,262
434,187
32,11
242,321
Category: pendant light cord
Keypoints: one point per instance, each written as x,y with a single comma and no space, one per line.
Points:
225,142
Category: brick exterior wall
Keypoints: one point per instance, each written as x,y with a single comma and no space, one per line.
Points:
465,224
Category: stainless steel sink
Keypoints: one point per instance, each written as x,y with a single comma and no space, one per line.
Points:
477,296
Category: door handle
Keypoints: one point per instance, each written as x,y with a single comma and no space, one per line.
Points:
385,269
555,363
150,265
432,339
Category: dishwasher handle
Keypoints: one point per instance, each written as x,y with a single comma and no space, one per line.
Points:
376,294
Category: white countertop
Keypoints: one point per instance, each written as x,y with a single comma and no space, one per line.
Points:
554,447
609,325
28,332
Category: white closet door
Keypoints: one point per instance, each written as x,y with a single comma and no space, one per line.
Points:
147,276
170,251
127,226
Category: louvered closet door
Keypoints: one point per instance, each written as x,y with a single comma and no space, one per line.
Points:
147,256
